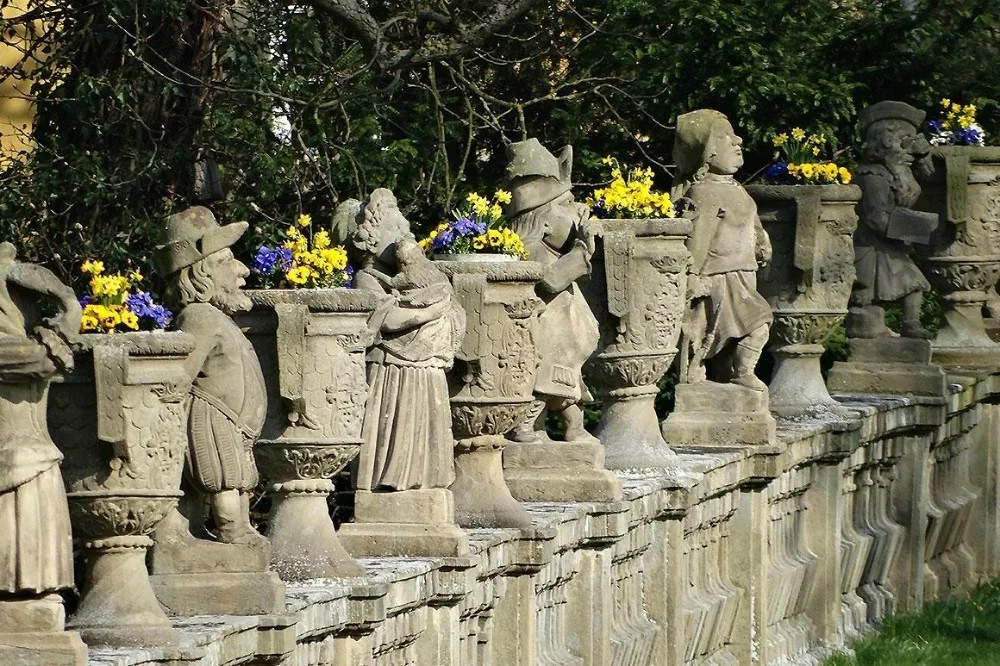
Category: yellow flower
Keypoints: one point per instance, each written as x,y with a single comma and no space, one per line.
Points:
321,240
969,109
479,242
807,170
815,150
845,175
503,196
496,212
93,267
88,323
298,275
129,320
305,220
798,133
481,207
780,140
135,276
946,102
607,160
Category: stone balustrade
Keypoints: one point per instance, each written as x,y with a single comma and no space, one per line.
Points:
756,555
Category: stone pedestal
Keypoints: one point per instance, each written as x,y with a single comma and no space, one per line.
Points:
637,292
560,472
963,283
808,284
888,365
119,419
404,523
719,415
31,633
311,347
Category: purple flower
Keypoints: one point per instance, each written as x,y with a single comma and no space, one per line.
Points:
142,306
776,173
934,126
268,259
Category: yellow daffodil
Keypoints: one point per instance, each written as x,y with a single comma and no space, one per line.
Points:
503,196
798,133
305,220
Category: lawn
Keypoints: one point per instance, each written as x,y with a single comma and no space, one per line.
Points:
960,631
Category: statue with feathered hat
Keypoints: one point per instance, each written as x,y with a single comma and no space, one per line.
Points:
556,232
727,323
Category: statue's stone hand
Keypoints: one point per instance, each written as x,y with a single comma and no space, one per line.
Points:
698,287
686,208
58,349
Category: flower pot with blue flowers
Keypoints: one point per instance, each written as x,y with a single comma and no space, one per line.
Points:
119,420
310,333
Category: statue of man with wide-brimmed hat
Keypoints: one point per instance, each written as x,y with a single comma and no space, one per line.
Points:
228,401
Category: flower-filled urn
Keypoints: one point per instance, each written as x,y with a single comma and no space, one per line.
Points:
120,422
311,345
808,284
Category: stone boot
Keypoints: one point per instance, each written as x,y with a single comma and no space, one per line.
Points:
231,510
526,431
912,328
572,418
747,354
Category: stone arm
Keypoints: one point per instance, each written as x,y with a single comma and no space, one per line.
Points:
207,337
568,268
42,281
398,318
762,243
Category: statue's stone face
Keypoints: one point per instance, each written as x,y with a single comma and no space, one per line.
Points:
897,142
726,151
561,215
229,276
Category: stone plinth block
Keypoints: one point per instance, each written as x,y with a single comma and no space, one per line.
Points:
404,523
311,347
637,291
713,414
559,472
888,365
62,648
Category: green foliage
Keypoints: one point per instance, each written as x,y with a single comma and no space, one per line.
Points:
953,632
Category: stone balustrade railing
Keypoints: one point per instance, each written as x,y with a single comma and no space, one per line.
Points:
759,555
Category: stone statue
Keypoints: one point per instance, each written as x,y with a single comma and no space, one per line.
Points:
36,551
894,154
407,454
227,396
726,326
557,233
196,572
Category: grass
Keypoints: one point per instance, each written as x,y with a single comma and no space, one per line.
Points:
954,632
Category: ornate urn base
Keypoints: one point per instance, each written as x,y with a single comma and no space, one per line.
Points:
311,346
963,283
119,420
118,607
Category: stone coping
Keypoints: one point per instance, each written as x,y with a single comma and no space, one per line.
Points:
392,586
138,343
830,192
319,300
495,271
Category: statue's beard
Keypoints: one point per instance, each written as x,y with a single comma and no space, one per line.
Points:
232,302
907,187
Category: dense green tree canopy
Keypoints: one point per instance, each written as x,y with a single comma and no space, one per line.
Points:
304,104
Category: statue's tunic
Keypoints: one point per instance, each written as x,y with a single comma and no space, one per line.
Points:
574,337
885,272
228,401
723,245
408,442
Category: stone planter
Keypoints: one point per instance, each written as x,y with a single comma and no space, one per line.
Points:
637,291
119,420
963,259
311,345
491,384
477,258
808,284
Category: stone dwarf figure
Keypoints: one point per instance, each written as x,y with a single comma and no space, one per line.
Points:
36,549
726,326
556,231
227,396
894,155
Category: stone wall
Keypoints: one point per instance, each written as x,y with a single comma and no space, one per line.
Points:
756,555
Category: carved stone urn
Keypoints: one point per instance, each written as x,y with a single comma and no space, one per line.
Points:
120,421
637,291
963,258
491,383
311,345
808,284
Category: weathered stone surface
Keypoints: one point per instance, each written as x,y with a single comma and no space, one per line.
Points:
808,284
726,325
224,416
714,414
407,442
36,558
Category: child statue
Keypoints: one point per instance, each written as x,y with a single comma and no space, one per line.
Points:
726,327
